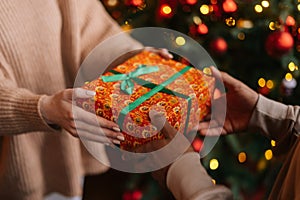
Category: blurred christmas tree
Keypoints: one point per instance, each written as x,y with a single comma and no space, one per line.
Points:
257,42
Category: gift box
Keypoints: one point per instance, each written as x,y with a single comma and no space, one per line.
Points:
144,82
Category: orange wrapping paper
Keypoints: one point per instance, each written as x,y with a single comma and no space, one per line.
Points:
193,86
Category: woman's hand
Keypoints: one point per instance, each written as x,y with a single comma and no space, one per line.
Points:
162,52
58,109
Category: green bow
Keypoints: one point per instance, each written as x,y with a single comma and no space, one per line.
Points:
127,84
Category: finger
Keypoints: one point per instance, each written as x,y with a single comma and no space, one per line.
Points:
213,131
82,93
210,124
93,119
165,53
162,52
86,135
97,130
161,123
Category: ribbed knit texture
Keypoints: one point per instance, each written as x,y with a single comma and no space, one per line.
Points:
42,44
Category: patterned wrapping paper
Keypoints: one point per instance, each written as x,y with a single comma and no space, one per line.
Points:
184,101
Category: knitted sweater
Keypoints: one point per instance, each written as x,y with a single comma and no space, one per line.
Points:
42,44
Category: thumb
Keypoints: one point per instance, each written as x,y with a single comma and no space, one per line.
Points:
83,93
229,81
161,123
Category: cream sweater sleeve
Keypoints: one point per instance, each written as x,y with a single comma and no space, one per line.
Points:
19,108
277,121
96,26
188,180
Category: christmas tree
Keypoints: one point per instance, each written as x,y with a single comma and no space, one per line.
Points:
257,42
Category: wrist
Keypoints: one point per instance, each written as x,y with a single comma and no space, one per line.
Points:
44,105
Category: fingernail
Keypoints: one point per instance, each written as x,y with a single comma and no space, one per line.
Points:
90,93
116,129
120,137
116,142
170,56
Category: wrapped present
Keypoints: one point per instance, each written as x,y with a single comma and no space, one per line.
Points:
146,81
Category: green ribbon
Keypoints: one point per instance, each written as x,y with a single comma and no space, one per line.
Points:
156,89
127,84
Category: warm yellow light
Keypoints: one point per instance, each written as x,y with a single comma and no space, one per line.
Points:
261,164
166,9
112,2
126,27
242,157
213,164
230,21
197,20
258,8
273,143
298,7
204,9
270,84
243,23
180,41
292,66
265,3
272,26
288,77
268,154
214,181
241,36
261,82
207,71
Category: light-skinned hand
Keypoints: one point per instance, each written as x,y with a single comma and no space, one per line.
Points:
58,109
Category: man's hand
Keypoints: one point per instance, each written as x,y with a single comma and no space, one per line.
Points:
240,101
57,109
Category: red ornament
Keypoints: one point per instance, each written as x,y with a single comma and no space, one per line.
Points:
135,3
166,9
137,195
290,21
191,2
264,90
197,144
229,6
202,29
279,43
218,46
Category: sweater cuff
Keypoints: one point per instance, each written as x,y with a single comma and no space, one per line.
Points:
49,126
186,176
269,117
20,113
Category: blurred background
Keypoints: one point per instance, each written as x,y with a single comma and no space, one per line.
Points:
257,42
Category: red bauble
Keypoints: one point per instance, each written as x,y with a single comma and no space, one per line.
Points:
264,90
229,6
137,195
135,3
197,144
279,43
218,46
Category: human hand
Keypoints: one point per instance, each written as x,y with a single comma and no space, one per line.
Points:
175,149
240,101
162,52
58,109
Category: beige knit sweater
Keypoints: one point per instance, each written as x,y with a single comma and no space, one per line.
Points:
42,44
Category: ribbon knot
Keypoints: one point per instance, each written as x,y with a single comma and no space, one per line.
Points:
127,84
